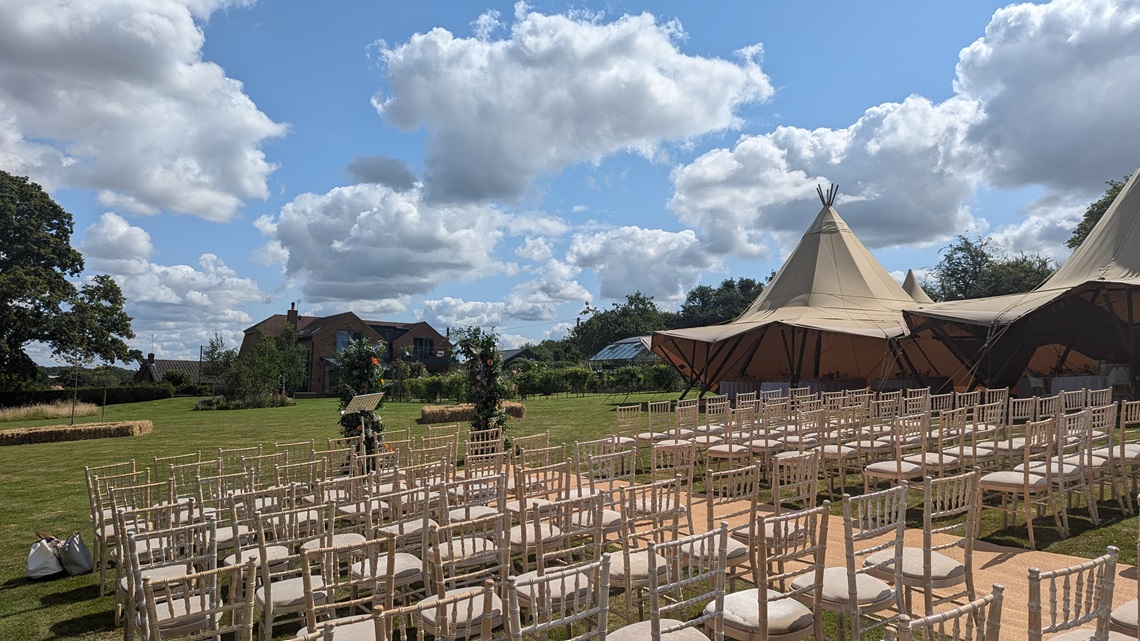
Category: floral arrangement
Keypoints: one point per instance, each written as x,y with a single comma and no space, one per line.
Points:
359,372
485,386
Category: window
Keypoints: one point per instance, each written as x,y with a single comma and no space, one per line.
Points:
423,348
343,336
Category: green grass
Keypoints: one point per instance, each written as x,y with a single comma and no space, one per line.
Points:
42,488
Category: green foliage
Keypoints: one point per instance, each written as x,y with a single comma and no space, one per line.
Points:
264,375
661,378
359,371
99,376
1095,212
400,373
707,305
971,268
37,301
114,395
551,351
182,381
485,386
579,379
637,316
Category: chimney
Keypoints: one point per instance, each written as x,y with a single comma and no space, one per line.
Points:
291,317
150,358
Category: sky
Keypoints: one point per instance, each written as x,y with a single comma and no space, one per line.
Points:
502,164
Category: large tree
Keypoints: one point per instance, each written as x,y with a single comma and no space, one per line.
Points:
37,301
973,268
707,305
637,316
1094,213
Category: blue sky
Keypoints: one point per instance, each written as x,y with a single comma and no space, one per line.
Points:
501,164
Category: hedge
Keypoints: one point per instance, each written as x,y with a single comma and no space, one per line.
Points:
115,395
54,433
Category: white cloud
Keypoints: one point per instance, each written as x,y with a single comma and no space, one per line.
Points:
513,341
175,307
114,95
1045,225
904,171
560,90
537,249
1060,82
370,243
655,262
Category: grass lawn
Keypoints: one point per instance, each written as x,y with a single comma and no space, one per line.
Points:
42,488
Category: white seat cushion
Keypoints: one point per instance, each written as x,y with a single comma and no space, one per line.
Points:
274,553
643,631
737,552
1007,481
571,586
516,534
1125,615
409,568
471,512
742,614
469,550
464,611
406,528
942,567
894,469
290,593
638,567
869,591
611,520
357,631
344,538
930,459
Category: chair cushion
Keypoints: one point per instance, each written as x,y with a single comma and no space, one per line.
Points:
726,449
463,612
762,445
894,469
344,538
357,631
611,520
409,568
163,572
516,534
742,613
274,553
931,459
1088,634
1125,615
638,567
406,528
737,552
649,437
1008,481
869,591
290,593
513,506
1057,468
707,440
643,631
572,586
472,550
471,512
942,567
836,451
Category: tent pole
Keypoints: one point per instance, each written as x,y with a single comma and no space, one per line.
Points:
803,348
712,376
788,353
752,353
818,351
1132,361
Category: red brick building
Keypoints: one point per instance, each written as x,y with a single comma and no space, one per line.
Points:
326,336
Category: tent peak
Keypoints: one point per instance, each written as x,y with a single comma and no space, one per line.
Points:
827,199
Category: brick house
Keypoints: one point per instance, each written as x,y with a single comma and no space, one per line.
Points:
326,336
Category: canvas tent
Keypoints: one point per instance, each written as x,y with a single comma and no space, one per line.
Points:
829,313
911,286
1083,314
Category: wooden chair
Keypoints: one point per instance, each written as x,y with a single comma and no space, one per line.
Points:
1126,618
531,442
653,513
978,620
570,598
1033,484
795,479
729,494
281,538
230,459
788,546
907,439
944,501
158,544
205,604
606,475
872,523
346,580
490,441
476,496
103,516
297,451
693,572
627,428
738,440
563,533
1084,593
464,555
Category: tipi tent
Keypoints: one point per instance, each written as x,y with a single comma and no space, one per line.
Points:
829,313
911,286
1085,312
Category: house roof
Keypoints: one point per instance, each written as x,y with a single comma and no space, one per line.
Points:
512,354
623,350
161,367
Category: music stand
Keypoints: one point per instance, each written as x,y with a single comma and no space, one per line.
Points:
364,403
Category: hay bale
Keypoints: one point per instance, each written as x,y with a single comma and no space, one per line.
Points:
464,413
55,433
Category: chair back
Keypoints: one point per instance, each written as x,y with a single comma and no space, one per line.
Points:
628,421
694,574
795,479
660,417
788,546
978,620
1078,594
222,600
584,615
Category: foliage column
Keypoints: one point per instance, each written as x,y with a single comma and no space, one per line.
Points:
485,385
359,372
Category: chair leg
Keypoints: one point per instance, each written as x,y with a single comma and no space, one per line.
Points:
1029,521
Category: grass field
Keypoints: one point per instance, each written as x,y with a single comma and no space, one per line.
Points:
42,488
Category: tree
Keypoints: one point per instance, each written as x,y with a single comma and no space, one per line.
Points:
637,316
36,259
705,305
972,268
1095,212
262,377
